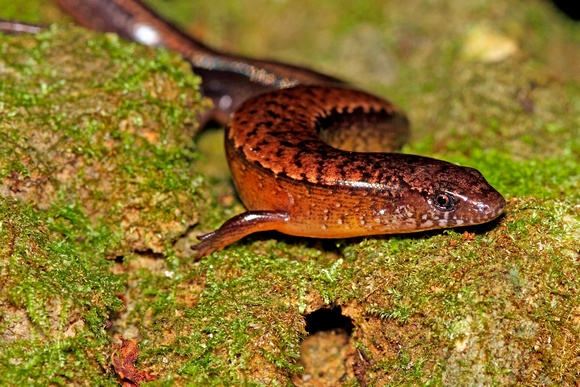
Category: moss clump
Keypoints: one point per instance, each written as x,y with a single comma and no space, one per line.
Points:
491,304
54,304
494,307
440,307
99,133
95,161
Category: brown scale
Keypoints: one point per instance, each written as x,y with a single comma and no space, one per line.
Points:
295,183
306,160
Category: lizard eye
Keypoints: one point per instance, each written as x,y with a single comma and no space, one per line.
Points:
444,201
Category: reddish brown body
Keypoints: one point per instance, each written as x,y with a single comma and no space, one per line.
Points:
294,182
303,148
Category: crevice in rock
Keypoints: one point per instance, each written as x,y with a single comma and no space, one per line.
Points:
326,353
327,319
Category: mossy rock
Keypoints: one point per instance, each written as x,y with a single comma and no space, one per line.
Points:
496,304
96,152
55,302
94,127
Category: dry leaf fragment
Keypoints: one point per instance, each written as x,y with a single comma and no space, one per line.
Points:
124,356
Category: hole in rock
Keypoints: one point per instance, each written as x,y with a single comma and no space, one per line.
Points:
327,320
326,354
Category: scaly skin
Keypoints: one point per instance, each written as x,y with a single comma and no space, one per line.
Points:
304,148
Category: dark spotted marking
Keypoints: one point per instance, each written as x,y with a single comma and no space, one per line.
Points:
341,133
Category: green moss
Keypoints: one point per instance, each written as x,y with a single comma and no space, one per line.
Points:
495,304
486,308
54,304
95,127
230,316
30,11
96,135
